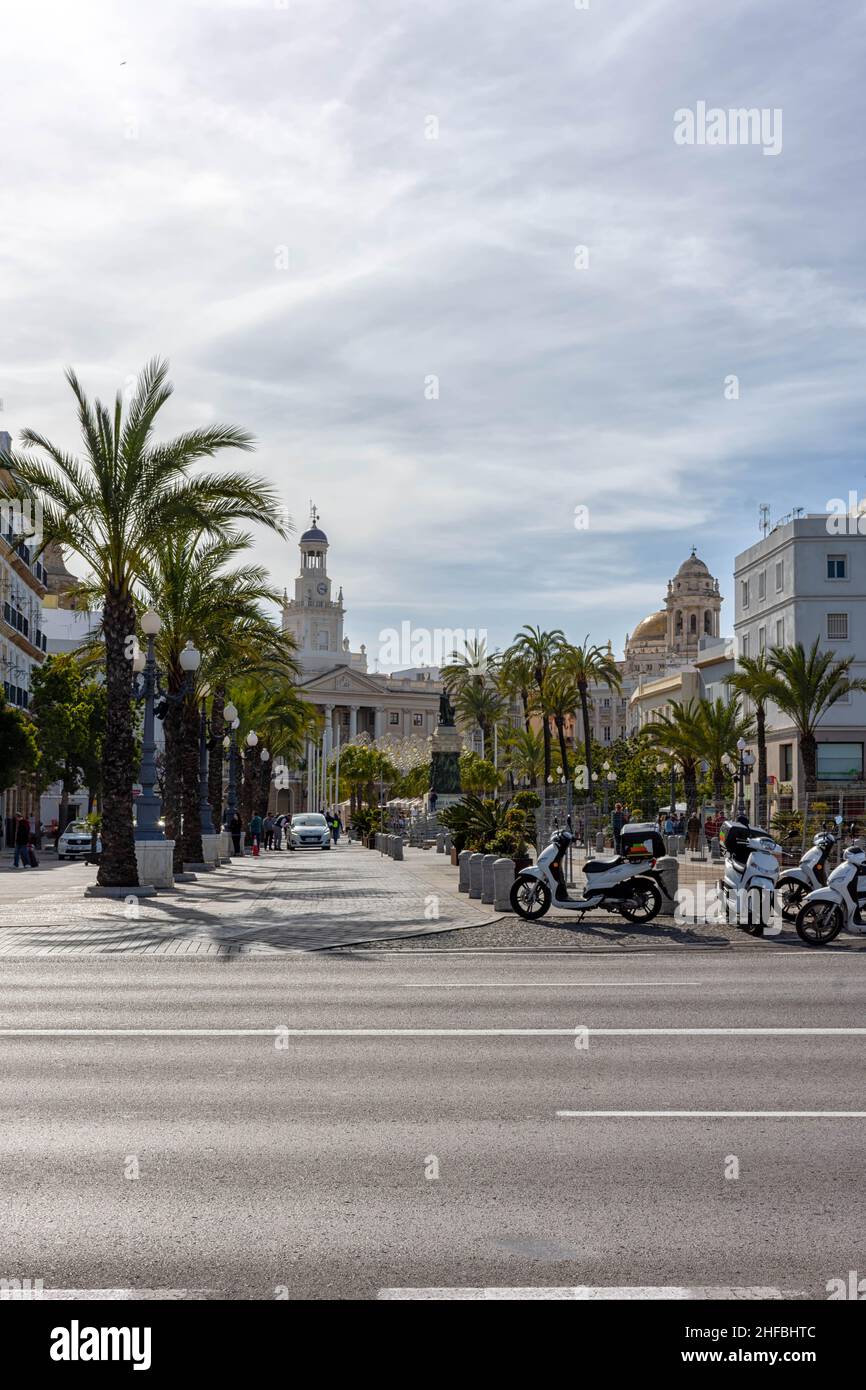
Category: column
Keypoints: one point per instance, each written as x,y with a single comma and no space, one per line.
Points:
353,721
379,725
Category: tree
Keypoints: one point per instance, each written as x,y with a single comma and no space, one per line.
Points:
19,752
590,665
719,725
470,676
524,755
538,650
754,681
477,775
115,508
514,678
69,712
678,735
805,685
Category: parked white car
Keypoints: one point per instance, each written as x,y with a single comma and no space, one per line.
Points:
310,831
74,843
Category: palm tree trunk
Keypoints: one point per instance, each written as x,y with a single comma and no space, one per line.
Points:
191,845
587,736
563,749
690,788
809,754
171,798
247,792
215,757
524,700
761,720
117,865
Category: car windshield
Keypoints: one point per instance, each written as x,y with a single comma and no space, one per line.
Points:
78,827
316,820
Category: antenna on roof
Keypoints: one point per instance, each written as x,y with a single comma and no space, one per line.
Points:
764,518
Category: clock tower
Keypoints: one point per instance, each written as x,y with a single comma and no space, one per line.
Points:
313,617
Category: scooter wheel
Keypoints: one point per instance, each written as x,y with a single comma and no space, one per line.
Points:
790,898
530,898
648,902
818,923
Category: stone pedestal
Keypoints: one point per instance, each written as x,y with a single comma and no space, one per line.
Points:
487,878
503,878
476,869
154,859
445,765
226,846
669,871
210,845
463,864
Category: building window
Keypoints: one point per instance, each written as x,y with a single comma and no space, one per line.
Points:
780,632
780,576
837,566
607,733
762,639
786,762
745,647
394,717
762,584
708,623
837,627
693,624
840,762
745,591
418,721
605,704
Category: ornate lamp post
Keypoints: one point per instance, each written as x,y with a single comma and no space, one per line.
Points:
746,761
231,744
146,687
205,813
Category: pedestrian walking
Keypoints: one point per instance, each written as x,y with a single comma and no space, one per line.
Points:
21,859
256,826
694,830
336,827
268,831
234,829
617,822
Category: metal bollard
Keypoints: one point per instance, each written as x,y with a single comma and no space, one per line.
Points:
463,865
440,843
503,878
397,847
476,869
487,864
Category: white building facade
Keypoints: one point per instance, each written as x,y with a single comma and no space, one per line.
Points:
807,580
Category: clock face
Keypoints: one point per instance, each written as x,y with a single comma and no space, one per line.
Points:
321,588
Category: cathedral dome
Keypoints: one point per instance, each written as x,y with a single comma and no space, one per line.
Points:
315,533
651,629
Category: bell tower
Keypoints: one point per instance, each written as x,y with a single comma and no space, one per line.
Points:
693,606
313,617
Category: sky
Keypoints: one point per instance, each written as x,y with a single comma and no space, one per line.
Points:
449,264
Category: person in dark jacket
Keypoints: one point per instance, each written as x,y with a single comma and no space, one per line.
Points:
234,829
22,843
617,823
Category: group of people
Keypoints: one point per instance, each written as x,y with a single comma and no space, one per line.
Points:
26,839
270,832
691,828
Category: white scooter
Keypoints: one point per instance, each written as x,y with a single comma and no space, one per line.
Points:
752,860
809,875
627,883
828,910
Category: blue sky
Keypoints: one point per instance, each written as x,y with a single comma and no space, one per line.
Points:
163,163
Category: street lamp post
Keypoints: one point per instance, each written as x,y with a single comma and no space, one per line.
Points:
205,813
149,807
746,761
230,714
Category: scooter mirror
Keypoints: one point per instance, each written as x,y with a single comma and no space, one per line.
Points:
838,820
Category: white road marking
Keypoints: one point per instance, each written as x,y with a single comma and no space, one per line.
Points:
426,1032
94,1295
711,1114
588,1293
546,984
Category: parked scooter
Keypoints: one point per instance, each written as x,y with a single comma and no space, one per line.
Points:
838,905
752,861
627,883
809,875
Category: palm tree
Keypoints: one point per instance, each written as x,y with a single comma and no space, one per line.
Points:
114,508
754,681
720,724
561,698
591,665
470,677
538,650
805,685
524,753
480,706
514,678
678,735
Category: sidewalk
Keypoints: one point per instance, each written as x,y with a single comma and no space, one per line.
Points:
281,902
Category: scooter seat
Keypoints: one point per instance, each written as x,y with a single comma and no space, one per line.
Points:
600,866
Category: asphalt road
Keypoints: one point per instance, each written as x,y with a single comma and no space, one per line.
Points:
276,1163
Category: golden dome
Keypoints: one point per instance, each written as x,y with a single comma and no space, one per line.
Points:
651,629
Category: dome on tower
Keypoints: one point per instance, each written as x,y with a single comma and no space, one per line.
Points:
693,566
315,533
